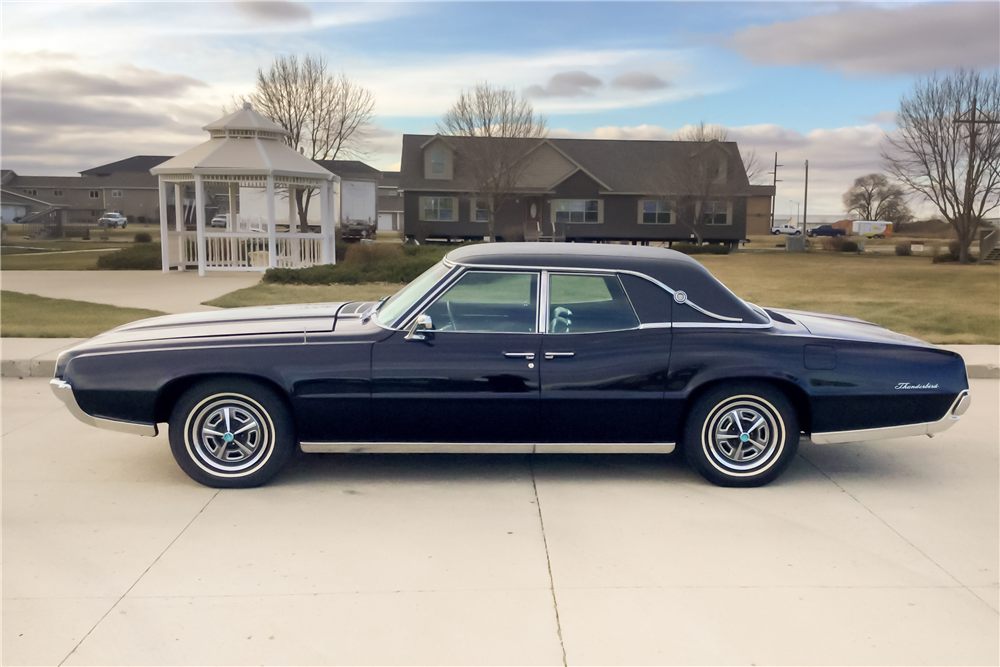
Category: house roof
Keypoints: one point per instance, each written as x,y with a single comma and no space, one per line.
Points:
135,164
618,166
350,169
120,180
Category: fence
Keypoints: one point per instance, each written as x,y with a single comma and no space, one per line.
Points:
246,251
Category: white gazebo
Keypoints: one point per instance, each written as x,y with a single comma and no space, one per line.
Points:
246,152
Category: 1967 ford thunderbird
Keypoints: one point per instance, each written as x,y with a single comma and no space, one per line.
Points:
511,347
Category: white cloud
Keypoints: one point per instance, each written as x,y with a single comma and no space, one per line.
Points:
911,39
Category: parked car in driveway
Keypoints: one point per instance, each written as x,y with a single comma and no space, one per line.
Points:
221,220
515,347
116,220
791,230
826,230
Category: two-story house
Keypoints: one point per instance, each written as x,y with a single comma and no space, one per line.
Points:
582,190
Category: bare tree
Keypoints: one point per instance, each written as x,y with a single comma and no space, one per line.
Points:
325,114
873,197
503,126
700,178
947,147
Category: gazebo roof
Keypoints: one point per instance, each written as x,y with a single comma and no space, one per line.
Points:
246,119
244,143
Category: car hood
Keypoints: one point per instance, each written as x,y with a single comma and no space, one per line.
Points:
301,318
827,325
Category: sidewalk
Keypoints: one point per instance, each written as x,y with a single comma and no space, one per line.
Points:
36,357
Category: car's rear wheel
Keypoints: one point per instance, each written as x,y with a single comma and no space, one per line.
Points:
231,433
741,434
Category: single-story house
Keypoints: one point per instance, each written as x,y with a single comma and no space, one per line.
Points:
583,190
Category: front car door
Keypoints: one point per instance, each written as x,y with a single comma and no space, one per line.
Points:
602,374
473,378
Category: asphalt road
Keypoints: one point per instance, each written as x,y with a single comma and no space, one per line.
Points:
875,553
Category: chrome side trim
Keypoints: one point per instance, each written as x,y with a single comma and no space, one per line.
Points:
64,390
956,410
656,325
487,448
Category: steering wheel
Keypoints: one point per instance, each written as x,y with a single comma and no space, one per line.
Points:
560,318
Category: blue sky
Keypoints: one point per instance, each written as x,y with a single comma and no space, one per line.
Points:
88,83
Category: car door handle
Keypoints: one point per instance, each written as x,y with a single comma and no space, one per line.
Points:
520,355
553,355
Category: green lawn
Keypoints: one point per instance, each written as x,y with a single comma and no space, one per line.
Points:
30,316
940,303
57,261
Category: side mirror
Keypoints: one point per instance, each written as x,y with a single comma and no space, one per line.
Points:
421,323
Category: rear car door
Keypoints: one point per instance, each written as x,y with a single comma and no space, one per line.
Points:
602,375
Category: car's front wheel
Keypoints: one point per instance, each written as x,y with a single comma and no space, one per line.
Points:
741,434
231,433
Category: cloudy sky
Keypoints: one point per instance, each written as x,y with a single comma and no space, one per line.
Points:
86,83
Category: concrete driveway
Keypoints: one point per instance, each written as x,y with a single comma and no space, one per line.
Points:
862,554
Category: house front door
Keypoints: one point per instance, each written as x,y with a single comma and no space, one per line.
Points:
532,218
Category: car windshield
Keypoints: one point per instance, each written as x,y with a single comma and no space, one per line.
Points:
397,305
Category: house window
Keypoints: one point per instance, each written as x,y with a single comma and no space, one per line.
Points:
95,194
656,212
31,192
576,210
116,193
437,208
437,161
57,193
716,213
480,213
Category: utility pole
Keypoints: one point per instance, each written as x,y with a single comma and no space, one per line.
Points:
805,201
774,197
971,121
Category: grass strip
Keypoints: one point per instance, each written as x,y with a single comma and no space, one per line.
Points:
58,261
947,304
31,316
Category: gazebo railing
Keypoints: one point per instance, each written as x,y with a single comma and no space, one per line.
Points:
246,251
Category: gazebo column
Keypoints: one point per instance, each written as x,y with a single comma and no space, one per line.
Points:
294,249
179,226
272,239
324,221
199,202
161,187
234,189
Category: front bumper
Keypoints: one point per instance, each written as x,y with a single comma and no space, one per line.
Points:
64,390
958,408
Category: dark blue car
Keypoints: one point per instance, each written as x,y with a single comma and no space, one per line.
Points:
527,348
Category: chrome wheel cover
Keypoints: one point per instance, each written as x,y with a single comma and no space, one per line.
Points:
743,436
229,435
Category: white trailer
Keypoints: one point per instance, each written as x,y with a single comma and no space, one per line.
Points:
873,229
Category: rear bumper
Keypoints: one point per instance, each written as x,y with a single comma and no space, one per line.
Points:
956,410
64,390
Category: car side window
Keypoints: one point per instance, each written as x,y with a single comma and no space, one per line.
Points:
588,304
488,302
